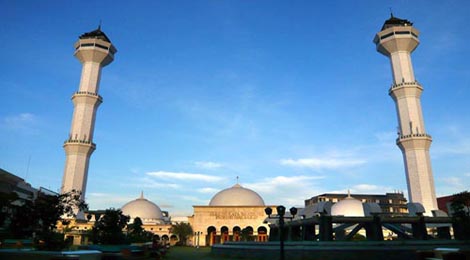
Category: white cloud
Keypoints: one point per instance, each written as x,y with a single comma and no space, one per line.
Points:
20,121
151,183
370,188
287,190
454,182
194,199
386,137
106,200
208,190
184,176
323,163
208,165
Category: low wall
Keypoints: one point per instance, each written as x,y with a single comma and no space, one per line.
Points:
334,250
28,254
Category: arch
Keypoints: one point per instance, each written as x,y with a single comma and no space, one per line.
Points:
224,234
173,239
156,237
211,235
236,233
262,234
247,233
165,238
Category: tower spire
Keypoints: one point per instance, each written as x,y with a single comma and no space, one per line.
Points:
95,51
397,40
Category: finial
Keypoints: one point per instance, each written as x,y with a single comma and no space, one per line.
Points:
391,12
237,179
99,26
142,194
349,193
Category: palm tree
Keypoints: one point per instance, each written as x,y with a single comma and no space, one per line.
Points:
182,230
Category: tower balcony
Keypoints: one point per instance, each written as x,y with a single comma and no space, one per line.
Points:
412,141
88,93
405,84
77,141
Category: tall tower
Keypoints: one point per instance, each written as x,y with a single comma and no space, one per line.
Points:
397,39
94,50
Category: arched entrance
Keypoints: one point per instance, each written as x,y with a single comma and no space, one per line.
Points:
173,239
211,234
224,234
247,234
262,234
236,233
165,239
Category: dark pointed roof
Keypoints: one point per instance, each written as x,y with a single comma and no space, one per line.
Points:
395,21
96,34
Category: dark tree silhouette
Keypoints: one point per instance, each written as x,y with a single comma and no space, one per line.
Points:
136,233
460,206
109,228
41,216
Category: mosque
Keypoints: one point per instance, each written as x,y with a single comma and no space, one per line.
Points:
233,214
237,213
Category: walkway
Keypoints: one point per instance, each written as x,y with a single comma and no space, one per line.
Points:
185,253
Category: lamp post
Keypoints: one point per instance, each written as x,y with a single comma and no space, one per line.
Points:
281,211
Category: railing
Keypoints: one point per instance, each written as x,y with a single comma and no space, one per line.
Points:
88,93
334,228
401,137
397,85
77,141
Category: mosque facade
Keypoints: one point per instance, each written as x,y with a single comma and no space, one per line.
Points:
154,220
233,214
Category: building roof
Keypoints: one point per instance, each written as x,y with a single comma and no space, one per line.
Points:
96,34
236,196
146,210
395,21
348,207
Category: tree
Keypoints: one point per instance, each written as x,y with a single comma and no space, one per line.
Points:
137,234
40,217
109,228
460,206
182,230
246,234
6,205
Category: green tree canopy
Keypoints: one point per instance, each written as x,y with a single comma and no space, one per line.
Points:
182,230
136,232
109,228
40,217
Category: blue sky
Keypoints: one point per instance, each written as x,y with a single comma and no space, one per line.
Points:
291,96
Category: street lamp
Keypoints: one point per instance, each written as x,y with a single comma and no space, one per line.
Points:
281,211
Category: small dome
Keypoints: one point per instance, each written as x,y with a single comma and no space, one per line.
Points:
146,210
348,207
236,196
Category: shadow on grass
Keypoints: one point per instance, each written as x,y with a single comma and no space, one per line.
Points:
185,253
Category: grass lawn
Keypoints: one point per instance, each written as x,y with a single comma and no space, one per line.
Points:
185,253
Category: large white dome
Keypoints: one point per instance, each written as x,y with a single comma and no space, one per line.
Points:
236,196
348,207
146,210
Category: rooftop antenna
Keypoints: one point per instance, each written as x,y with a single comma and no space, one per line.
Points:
27,167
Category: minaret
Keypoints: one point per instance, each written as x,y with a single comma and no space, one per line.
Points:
94,50
397,39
